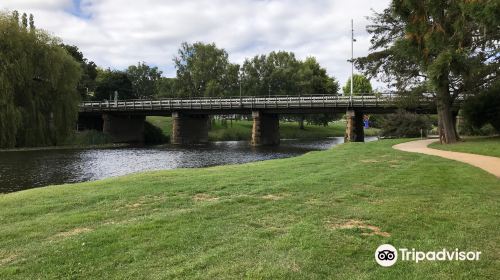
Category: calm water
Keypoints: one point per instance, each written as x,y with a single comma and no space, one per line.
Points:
30,169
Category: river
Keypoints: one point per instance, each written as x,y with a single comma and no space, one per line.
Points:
21,170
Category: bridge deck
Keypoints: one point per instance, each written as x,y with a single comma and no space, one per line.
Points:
291,104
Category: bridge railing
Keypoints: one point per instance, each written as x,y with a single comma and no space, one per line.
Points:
243,102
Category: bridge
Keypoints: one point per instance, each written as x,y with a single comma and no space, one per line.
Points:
124,119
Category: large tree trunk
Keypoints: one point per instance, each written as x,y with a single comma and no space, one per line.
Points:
455,124
447,131
301,122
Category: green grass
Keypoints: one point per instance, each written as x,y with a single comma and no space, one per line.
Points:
242,130
275,219
164,123
488,146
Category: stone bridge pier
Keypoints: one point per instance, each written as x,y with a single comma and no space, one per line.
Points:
265,130
189,129
124,128
354,127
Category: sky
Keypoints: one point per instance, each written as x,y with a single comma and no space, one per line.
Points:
119,33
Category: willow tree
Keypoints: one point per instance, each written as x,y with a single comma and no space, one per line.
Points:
38,97
447,47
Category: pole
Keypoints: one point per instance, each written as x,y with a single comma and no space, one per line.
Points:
241,78
352,58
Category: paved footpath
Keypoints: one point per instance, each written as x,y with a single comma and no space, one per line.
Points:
487,163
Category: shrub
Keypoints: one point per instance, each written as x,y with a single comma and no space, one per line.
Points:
484,108
405,124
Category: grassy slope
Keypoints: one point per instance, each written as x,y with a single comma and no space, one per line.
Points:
489,146
242,130
269,219
164,123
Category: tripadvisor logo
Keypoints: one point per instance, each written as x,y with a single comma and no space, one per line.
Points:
386,255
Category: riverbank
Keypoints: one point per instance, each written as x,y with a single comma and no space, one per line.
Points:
89,139
68,147
220,131
321,215
242,129
487,146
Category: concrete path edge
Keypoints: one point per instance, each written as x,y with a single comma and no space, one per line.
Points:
488,163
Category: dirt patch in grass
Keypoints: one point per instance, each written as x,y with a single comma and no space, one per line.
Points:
73,232
273,197
368,230
293,266
144,201
204,197
8,258
369,161
134,206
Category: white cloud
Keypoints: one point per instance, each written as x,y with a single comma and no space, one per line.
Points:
118,33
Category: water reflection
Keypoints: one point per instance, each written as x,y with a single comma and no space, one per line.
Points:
29,169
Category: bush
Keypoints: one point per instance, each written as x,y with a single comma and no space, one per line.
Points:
466,128
484,108
405,124
153,134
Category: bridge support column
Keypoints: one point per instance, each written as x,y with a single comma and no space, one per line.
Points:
354,127
265,130
124,128
188,129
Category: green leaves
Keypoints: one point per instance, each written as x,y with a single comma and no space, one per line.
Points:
205,70
144,79
38,79
361,85
280,73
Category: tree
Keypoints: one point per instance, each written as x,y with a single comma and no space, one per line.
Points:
361,85
167,87
38,98
87,82
144,80
205,70
108,81
448,48
313,79
276,73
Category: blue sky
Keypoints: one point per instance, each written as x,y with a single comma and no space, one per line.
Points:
118,33
76,10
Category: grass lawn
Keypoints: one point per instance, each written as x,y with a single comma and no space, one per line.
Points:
164,123
242,130
317,216
488,146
